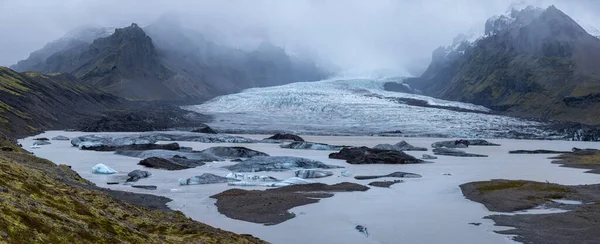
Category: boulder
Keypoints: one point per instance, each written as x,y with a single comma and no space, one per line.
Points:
365,155
144,187
138,147
286,136
455,152
162,163
461,143
538,151
392,175
206,129
60,138
137,174
103,169
277,163
385,184
427,156
311,145
309,173
400,146
41,143
233,152
205,178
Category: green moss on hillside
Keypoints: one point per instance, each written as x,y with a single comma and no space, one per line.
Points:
41,202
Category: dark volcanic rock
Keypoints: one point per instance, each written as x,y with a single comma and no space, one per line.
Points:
142,118
206,130
234,152
462,143
400,146
145,187
286,136
538,151
137,147
277,163
454,152
385,184
310,173
205,178
162,163
41,139
60,138
365,155
392,175
137,174
270,207
311,145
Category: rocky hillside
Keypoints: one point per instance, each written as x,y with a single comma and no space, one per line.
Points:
167,62
31,102
532,62
41,202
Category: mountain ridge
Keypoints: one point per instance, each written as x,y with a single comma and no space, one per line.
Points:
540,65
166,62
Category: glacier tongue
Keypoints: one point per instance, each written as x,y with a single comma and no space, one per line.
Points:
353,107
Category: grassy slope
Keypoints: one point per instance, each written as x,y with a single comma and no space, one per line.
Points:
31,102
41,202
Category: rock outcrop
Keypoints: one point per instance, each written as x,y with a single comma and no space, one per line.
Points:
400,146
285,136
454,152
233,152
391,175
365,155
163,163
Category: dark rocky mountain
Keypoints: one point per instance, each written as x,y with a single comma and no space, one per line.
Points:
532,62
165,61
31,102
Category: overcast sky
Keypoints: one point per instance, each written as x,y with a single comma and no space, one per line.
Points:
357,35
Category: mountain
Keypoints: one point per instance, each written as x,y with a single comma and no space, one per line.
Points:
533,62
165,61
31,102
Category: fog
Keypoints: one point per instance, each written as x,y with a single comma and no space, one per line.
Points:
359,37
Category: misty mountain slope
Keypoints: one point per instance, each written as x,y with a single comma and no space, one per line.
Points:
225,69
533,63
170,63
31,102
75,39
355,107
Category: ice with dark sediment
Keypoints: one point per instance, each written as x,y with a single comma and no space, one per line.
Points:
277,163
356,107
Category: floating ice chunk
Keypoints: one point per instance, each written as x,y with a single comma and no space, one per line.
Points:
346,173
103,169
239,176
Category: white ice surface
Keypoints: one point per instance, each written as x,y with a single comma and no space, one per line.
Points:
351,107
424,210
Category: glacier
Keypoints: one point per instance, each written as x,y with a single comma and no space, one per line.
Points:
356,107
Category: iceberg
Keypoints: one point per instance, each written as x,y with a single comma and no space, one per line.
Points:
103,169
